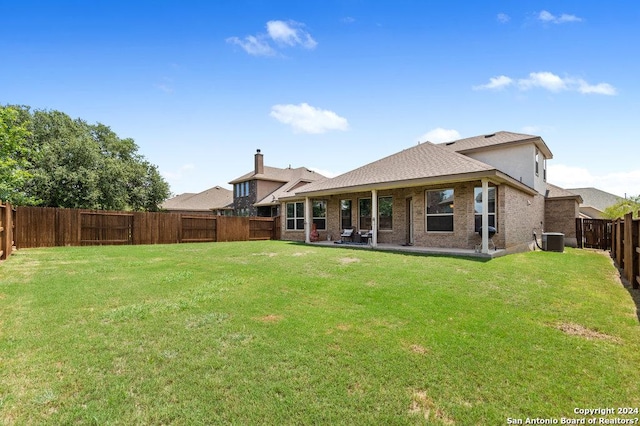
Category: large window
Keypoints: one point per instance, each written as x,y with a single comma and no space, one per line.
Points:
385,213
364,212
295,216
241,189
345,214
537,162
477,197
320,214
439,206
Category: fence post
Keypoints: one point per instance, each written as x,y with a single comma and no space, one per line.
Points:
628,247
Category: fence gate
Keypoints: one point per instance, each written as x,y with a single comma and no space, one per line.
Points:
106,228
594,233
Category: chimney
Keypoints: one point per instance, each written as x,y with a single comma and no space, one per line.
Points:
259,169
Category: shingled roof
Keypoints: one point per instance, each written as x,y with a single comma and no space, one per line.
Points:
212,198
276,174
421,164
502,138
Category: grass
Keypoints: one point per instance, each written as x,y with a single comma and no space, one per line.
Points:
275,332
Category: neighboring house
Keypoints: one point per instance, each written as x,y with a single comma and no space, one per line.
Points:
216,200
435,195
258,192
595,201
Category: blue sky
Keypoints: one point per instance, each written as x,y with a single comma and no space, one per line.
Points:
332,85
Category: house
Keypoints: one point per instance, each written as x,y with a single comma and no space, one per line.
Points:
561,209
434,195
258,192
595,201
216,200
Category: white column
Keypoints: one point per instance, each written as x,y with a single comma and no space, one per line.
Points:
307,220
485,216
374,218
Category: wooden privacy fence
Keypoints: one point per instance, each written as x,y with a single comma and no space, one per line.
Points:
625,247
593,233
6,230
51,227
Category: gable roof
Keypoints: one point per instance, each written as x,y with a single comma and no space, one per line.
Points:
495,140
596,198
422,164
209,199
280,175
555,192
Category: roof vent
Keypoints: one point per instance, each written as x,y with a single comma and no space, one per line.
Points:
449,143
489,136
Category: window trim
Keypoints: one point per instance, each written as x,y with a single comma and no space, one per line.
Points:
427,215
370,213
295,217
495,208
314,218
537,162
350,214
391,217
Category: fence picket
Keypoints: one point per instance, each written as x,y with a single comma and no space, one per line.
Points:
48,227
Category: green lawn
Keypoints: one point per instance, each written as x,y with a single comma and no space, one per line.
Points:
274,332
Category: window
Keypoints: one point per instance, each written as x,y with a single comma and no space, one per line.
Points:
345,214
295,216
364,210
537,161
477,198
241,189
439,210
544,169
385,213
320,214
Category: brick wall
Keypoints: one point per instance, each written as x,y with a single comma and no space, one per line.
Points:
518,215
560,216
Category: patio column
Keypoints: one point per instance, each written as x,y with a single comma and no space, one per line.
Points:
374,218
485,216
307,220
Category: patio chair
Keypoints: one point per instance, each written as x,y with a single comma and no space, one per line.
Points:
365,236
347,233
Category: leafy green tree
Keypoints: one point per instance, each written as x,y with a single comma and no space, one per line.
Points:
623,207
13,156
78,165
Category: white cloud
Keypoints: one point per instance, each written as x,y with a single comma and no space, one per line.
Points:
600,89
503,18
348,20
179,174
290,33
545,80
439,135
307,119
499,82
284,34
548,17
253,45
551,82
618,183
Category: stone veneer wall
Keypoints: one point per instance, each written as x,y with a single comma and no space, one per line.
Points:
560,216
519,215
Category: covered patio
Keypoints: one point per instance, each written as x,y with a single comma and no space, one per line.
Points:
489,254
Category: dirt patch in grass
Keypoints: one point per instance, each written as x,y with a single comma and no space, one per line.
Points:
343,327
270,318
418,349
348,260
579,330
421,404
266,254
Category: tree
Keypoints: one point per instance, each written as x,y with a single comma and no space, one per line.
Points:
79,165
623,207
13,156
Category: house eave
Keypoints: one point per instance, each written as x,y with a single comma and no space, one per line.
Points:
494,176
